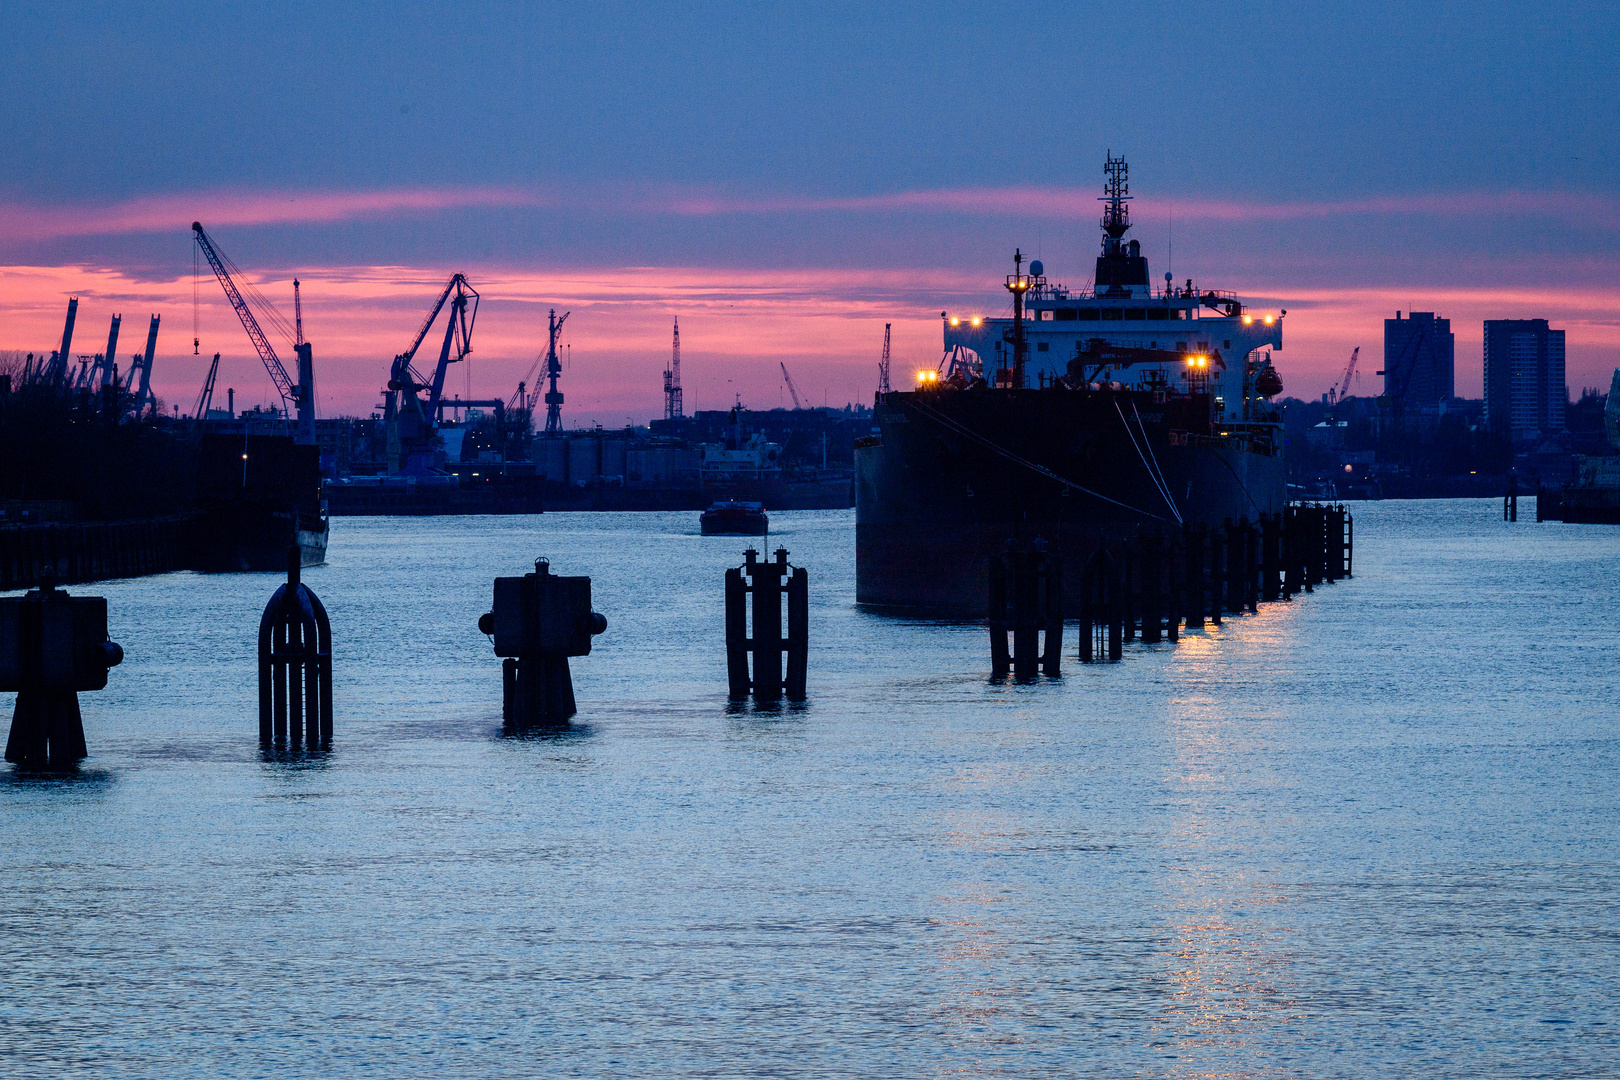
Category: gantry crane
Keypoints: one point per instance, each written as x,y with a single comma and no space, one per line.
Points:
300,394
410,420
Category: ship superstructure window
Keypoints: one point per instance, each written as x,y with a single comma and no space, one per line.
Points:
1046,315
1135,314
1111,314
1088,314
1042,346
1065,314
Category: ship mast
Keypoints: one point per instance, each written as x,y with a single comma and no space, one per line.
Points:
1018,284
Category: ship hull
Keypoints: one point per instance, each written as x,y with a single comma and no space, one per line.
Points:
956,475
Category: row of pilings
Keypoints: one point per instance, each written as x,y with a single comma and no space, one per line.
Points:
1150,586
93,551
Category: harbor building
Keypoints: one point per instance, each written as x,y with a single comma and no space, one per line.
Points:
1419,360
1525,396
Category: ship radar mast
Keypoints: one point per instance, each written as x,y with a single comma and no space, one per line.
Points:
1121,270
1116,219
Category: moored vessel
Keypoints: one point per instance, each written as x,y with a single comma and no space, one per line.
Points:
1086,416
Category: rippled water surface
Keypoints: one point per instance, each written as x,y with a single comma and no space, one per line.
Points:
1368,833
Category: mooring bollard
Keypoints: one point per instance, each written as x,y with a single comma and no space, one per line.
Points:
538,621
295,665
52,646
1510,501
767,581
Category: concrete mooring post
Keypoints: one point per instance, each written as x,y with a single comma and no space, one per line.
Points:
52,646
767,582
295,665
537,622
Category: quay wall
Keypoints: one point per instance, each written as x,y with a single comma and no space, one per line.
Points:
94,550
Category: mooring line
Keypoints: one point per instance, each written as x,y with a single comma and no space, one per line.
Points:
1010,456
1157,482
1164,485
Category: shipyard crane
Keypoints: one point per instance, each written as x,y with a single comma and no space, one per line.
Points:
139,381
206,398
410,419
793,391
554,398
1337,395
674,404
883,364
300,394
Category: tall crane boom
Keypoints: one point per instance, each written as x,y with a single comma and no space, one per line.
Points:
1349,371
300,393
883,365
793,391
674,405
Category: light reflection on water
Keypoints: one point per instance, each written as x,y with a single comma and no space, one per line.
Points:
1367,833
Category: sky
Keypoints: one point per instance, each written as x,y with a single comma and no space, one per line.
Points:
788,179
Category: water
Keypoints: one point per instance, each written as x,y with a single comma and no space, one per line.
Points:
1368,833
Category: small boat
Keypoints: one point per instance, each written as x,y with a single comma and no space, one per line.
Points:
732,518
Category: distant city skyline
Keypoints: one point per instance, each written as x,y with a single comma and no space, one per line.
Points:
788,182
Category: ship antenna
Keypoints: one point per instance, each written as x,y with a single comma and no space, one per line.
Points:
1116,219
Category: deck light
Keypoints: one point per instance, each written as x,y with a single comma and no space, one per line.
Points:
1247,319
977,320
956,322
1269,320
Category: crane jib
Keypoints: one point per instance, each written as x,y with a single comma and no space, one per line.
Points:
272,364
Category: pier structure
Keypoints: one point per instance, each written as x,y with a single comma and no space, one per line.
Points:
1152,586
1026,601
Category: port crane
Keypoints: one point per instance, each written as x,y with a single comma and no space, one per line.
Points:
199,412
411,420
793,391
883,364
300,394
554,398
1337,395
674,405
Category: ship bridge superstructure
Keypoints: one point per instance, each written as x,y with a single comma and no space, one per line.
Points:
1120,331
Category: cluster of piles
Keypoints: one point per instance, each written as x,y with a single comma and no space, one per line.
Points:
1153,583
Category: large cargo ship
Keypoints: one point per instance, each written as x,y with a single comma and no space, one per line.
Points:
1087,415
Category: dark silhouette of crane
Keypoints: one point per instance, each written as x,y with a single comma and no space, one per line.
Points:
300,394
1336,395
674,405
554,398
883,364
793,391
408,418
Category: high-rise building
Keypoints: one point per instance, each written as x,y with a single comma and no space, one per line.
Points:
1420,356
1525,394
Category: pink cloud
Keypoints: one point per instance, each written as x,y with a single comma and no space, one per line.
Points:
163,213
